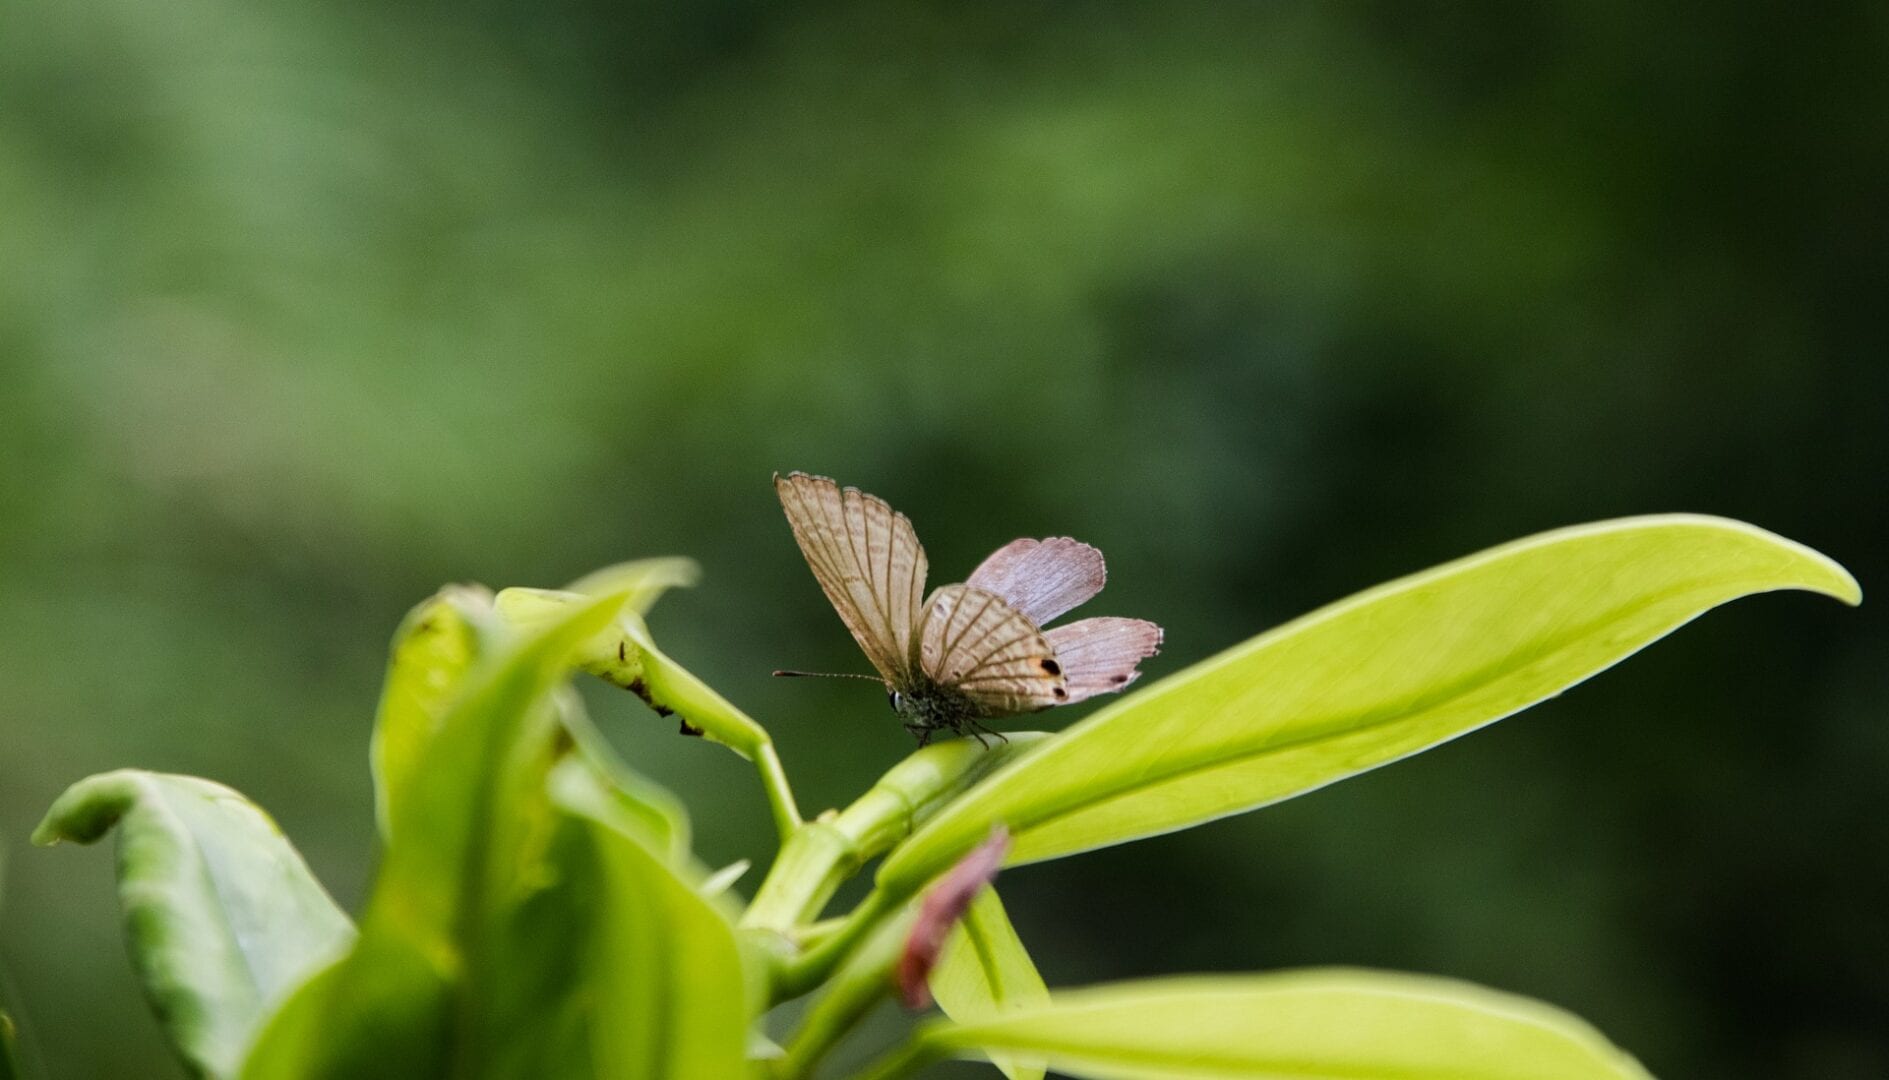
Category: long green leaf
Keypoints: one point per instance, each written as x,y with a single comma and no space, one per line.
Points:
1331,1024
222,916
1379,676
662,972
985,972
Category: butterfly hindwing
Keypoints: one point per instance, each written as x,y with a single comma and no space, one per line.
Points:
978,645
869,563
1101,655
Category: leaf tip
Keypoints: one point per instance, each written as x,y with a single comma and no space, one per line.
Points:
1818,572
88,809
1847,588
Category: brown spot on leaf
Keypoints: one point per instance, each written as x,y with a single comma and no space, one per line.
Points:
641,689
687,728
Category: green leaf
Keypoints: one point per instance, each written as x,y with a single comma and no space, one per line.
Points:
642,582
426,989
435,646
9,1052
1379,676
385,1009
1332,1024
643,808
659,962
985,972
626,655
724,879
222,916
489,754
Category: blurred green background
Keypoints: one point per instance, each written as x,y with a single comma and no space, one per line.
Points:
306,309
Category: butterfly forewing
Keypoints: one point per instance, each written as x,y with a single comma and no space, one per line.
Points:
1042,578
975,643
868,562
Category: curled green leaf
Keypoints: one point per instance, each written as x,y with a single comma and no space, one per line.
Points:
1370,679
222,916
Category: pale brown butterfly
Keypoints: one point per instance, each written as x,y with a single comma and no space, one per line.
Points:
970,652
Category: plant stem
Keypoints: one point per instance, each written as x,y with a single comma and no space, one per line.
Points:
810,866
854,991
780,796
798,975
824,852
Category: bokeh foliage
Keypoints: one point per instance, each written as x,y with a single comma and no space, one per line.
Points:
309,309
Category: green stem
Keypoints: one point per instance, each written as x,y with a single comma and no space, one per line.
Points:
811,866
798,975
780,796
672,689
855,990
814,933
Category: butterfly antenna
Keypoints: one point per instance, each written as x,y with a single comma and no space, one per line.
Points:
824,675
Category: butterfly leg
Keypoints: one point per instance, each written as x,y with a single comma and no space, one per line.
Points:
978,731
922,732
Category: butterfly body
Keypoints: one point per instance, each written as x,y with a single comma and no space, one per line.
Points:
930,707
969,652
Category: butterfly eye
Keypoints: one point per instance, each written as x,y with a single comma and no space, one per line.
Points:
893,697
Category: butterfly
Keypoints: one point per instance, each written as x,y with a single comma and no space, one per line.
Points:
969,652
